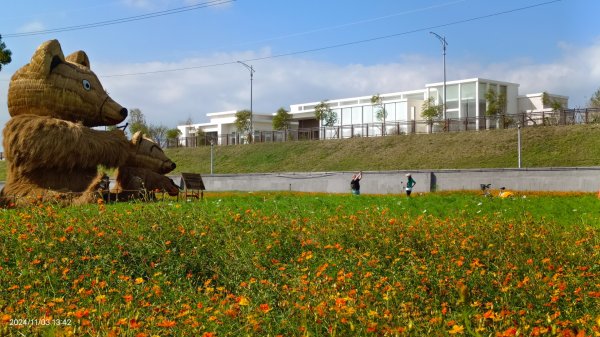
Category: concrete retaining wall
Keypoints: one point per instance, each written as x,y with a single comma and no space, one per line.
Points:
387,182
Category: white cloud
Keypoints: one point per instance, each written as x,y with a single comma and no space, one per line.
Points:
33,26
170,98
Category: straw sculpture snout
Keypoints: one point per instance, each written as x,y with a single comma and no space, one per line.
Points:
150,155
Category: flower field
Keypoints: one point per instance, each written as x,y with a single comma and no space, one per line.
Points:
289,264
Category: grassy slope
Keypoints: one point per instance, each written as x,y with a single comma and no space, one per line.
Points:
577,145
541,147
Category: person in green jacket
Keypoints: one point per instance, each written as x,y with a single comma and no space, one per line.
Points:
410,183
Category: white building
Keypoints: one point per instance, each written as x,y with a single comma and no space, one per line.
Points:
466,106
221,129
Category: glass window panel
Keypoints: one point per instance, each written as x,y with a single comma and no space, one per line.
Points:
436,94
390,108
452,92
346,116
451,97
367,114
402,112
467,108
467,91
357,115
482,91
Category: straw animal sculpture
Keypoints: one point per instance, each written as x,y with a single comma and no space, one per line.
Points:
52,150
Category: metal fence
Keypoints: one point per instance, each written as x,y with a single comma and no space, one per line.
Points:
526,119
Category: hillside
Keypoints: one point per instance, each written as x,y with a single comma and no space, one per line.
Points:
573,146
577,145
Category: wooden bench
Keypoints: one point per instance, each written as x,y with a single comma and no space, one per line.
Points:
192,185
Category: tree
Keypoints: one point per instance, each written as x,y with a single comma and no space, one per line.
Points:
554,104
324,114
172,136
282,120
158,133
595,100
496,103
242,122
5,54
379,108
173,133
429,110
201,137
137,122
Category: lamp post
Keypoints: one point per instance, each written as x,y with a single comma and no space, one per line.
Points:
519,143
212,143
251,112
444,44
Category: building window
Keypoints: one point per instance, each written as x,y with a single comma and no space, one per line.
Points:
390,108
357,115
468,104
346,116
368,114
452,96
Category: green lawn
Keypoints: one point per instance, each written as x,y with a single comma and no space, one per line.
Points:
289,264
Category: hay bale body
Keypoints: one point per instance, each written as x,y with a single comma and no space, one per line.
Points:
51,150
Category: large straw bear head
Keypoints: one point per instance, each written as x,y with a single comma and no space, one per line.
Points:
66,88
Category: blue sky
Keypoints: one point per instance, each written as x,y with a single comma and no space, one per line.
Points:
181,66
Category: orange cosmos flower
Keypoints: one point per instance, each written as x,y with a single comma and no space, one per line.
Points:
134,324
264,308
82,313
243,301
166,324
456,329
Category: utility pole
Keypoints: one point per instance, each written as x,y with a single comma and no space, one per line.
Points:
251,112
444,44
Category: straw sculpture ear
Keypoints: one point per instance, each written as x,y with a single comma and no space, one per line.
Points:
137,137
79,57
46,57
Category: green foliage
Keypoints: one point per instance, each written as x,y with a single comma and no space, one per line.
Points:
496,103
431,111
201,138
595,100
242,121
158,133
324,114
379,108
137,122
173,133
278,263
5,54
555,105
282,120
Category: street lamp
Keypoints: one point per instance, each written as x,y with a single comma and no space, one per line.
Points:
212,143
444,44
519,143
251,112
